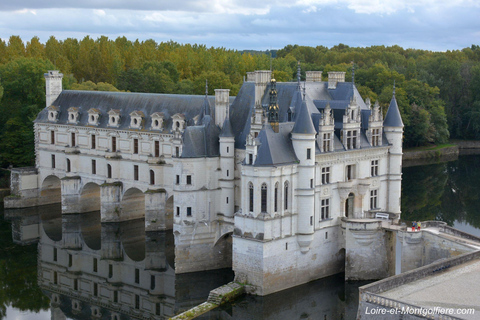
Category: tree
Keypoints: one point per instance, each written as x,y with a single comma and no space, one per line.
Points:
91,86
23,98
35,49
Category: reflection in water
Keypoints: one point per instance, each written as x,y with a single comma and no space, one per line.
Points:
447,191
89,269
327,298
116,271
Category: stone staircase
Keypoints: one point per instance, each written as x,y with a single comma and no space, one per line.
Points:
224,293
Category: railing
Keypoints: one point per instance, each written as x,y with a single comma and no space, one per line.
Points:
402,308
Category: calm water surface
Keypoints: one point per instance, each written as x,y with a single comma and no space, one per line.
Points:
31,241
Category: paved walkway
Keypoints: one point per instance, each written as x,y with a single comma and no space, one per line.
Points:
459,287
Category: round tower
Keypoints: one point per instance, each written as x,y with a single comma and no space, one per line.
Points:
303,140
393,128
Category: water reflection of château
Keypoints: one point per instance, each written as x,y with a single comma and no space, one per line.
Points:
108,271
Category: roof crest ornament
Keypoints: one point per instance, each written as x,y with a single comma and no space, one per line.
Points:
393,87
206,87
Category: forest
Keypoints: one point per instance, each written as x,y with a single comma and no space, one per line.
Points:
438,93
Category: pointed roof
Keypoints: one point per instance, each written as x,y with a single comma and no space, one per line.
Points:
227,129
275,148
393,117
303,121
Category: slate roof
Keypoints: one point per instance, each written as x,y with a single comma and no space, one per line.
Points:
275,148
393,117
201,141
226,129
127,102
303,121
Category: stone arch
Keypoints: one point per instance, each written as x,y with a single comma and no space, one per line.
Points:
90,197
349,205
50,191
224,247
133,204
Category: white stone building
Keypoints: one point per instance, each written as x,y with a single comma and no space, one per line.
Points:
274,183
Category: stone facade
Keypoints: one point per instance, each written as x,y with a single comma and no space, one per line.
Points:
263,195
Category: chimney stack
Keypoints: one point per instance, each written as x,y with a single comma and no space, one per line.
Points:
53,85
334,77
314,76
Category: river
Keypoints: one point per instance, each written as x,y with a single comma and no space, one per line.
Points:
37,244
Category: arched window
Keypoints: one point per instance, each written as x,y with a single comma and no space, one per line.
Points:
275,203
152,177
69,167
286,195
264,197
109,171
250,197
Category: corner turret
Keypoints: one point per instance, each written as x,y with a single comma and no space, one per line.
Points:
393,128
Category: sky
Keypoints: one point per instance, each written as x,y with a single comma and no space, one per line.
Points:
437,25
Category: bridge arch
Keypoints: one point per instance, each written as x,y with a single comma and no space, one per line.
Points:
133,204
90,197
50,191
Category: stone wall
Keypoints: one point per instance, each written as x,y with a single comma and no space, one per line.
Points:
275,265
368,250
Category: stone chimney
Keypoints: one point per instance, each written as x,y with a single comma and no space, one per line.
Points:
334,77
262,78
221,104
314,76
250,76
53,85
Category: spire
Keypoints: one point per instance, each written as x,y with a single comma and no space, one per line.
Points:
298,75
206,103
393,118
353,73
273,106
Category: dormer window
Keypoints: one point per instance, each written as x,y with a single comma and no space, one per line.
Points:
157,121
178,122
113,118
93,116
73,115
53,113
136,119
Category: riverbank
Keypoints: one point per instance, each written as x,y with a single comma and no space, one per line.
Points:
440,153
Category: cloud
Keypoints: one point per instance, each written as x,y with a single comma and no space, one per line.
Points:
252,24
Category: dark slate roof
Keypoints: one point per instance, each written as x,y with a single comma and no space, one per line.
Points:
241,113
226,129
393,117
148,103
275,148
317,96
201,141
303,121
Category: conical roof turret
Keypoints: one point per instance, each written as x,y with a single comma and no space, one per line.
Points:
393,118
303,121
